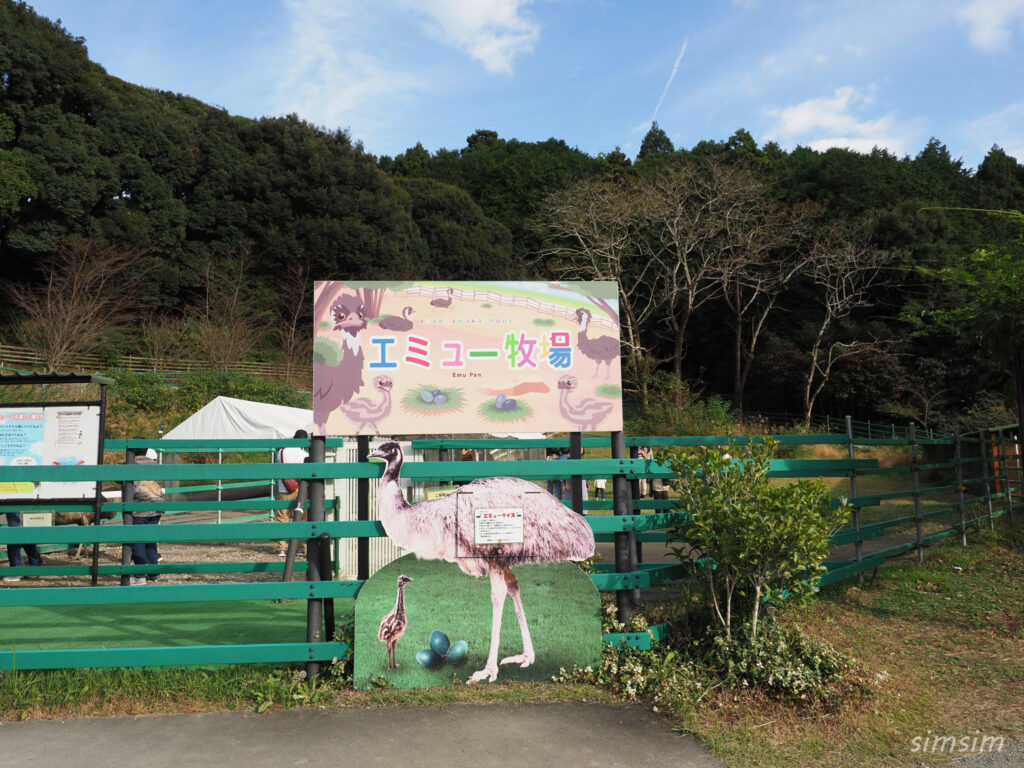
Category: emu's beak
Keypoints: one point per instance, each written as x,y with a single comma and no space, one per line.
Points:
376,454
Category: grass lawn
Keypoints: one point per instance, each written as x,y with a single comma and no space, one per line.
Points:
940,646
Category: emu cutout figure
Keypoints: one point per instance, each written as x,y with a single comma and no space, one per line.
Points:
432,530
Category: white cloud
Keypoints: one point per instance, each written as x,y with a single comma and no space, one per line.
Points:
493,32
344,60
326,77
1005,128
991,22
833,122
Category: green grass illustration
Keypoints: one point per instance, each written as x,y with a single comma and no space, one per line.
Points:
563,611
413,402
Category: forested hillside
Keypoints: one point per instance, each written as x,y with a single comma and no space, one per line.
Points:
794,280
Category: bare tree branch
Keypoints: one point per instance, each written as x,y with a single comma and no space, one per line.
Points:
88,290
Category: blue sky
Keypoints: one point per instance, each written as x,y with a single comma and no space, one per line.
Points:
855,73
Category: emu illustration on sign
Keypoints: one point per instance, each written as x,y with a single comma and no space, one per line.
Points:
337,357
464,357
446,529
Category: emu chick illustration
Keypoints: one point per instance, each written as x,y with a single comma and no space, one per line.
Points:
393,625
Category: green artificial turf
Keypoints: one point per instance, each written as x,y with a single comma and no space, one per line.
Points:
563,612
160,624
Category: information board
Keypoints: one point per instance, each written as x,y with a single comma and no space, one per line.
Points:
56,434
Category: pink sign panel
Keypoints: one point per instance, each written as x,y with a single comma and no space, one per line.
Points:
423,358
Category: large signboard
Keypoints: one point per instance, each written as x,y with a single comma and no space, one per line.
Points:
49,434
416,358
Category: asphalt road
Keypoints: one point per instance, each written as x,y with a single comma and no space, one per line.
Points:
458,736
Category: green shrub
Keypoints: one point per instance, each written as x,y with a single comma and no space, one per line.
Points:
201,387
674,409
750,542
143,391
778,661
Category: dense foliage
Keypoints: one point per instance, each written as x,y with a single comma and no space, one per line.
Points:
195,194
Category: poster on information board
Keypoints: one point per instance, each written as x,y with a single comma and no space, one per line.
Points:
53,434
417,358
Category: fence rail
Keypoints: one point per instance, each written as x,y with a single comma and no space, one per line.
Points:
170,369
943,501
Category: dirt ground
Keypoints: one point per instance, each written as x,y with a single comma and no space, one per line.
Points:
110,554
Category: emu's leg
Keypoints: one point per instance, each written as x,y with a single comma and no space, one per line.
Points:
498,591
527,657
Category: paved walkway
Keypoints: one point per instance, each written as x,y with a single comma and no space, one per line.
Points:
457,736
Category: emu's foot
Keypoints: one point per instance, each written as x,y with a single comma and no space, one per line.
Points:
523,659
488,673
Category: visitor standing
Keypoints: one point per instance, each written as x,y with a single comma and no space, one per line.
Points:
14,550
290,455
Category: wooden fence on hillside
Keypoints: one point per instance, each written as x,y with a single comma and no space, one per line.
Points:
22,359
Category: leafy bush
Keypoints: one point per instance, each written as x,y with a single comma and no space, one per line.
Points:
674,409
144,391
750,542
662,676
201,387
779,661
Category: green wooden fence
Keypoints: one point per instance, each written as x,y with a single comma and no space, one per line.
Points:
978,475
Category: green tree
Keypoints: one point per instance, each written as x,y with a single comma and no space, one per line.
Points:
462,243
15,184
656,142
754,542
991,302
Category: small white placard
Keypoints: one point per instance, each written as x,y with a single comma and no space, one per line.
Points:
498,525
36,519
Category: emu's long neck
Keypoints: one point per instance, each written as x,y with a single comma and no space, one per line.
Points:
400,602
406,526
393,505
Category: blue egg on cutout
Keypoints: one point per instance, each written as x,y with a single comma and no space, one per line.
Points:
429,659
439,642
499,400
457,653
508,405
427,397
440,398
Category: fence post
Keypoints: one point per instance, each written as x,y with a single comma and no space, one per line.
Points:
958,458
623,504
220,482
1019,461
315,606
916,474
362,509
1002,475
576,481
858,546
127,496
984,451
636,547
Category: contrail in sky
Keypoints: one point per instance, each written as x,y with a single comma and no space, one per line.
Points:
675,68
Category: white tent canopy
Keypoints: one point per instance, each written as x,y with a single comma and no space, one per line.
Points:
230,418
